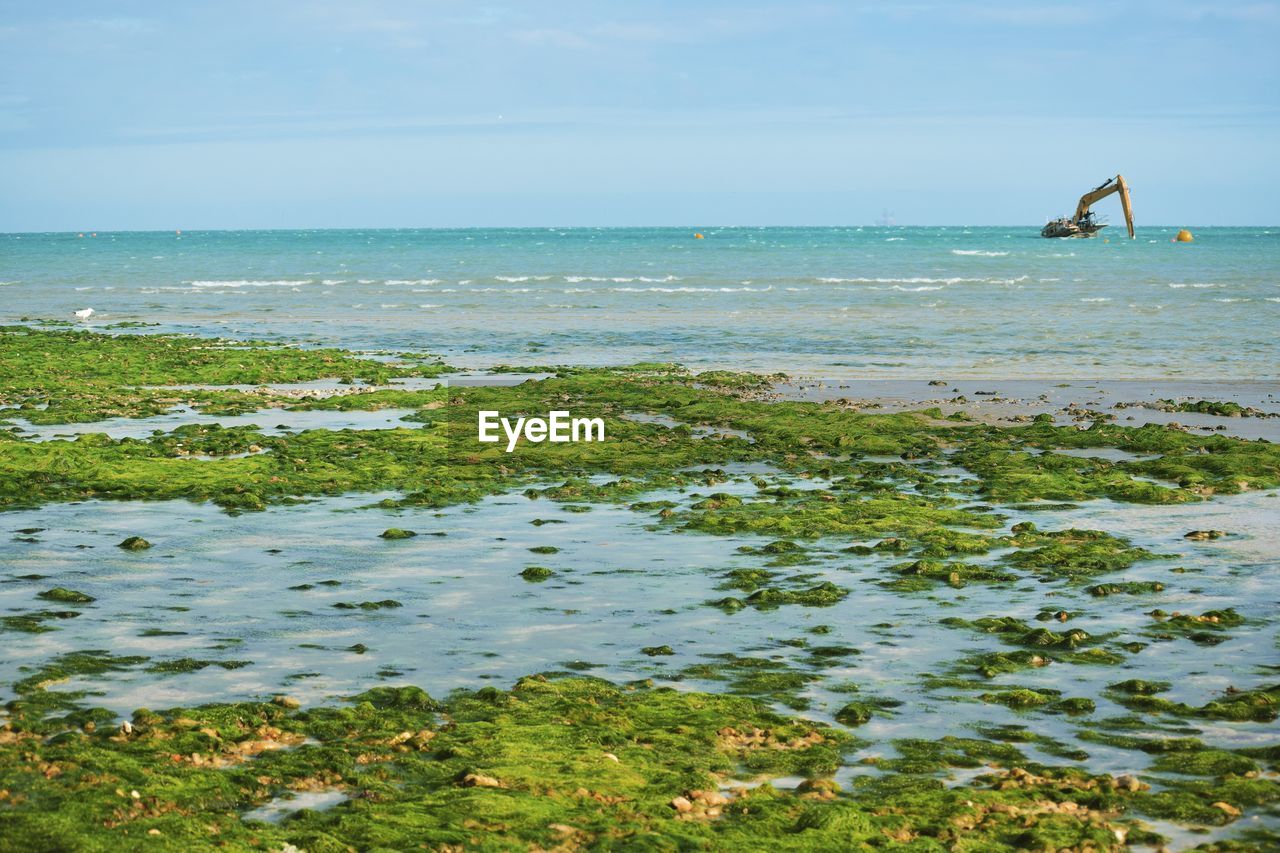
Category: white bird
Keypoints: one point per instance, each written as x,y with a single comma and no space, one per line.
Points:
84,313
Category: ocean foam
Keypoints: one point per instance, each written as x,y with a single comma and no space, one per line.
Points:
693,289
982,253
916,280
620,279
284,282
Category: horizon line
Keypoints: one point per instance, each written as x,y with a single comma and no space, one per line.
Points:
223,230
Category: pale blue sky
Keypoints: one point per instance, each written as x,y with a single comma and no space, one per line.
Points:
366,113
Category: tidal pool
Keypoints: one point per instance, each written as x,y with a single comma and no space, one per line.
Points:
309,601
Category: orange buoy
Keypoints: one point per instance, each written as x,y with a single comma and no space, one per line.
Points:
1184,236
698,236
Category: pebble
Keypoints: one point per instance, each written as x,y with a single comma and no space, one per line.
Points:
1129,783
475,780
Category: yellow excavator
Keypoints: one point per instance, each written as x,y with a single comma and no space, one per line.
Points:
1083,223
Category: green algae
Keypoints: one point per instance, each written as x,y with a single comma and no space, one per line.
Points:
1204,762
811,516
1020,734
67,377
35,699
536,574
134,543
747,580
1074,555
1022,697
1206,629
854,714
922,574
1198,464
181,665
397,533
762,678
1019,633
65,596
870,509
991,664
1221,408
433,466
860,711
1011,475
35,621
1259,705
824,594
918,755
1139,687
547,762
544,549
574,751
1102,590
1195,801
384,604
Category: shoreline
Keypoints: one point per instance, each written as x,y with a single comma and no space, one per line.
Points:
739,583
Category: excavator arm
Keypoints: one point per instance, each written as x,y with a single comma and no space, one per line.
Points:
1114,185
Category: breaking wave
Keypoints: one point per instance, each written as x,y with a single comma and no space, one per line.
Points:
283,282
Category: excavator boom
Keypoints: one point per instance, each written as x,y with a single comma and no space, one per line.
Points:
1116,185
1082,225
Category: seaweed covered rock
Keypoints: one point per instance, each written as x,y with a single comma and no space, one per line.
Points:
65,596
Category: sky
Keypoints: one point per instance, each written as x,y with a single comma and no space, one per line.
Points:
365,113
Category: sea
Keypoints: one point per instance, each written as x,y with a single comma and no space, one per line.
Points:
229,607
871,302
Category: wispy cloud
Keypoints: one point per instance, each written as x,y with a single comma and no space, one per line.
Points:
551,37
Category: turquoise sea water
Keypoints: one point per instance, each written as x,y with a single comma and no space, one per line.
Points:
897,301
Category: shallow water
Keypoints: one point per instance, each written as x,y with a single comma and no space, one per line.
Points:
281,807
1131,402
952,301
977,311
271,421
218,587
